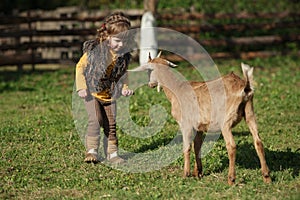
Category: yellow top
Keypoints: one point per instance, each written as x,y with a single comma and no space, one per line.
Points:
80,78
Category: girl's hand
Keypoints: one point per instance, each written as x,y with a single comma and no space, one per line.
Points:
82,93
127,92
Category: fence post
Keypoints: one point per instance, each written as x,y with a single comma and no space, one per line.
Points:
148,41
150,5
32,51
19,65
18,51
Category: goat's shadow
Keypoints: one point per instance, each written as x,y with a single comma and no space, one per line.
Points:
153,146
247,158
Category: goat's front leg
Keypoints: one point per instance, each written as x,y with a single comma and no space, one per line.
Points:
251,121
231,150
197,148
186,154
186,151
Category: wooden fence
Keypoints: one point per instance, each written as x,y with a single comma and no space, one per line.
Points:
38,39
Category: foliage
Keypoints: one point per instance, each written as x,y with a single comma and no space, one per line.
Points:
207,6
42,154
232,6
8,6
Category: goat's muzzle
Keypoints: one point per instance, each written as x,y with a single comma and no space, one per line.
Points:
152,85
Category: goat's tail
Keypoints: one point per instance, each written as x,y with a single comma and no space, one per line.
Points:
248,76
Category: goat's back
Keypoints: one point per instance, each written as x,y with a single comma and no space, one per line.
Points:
219,101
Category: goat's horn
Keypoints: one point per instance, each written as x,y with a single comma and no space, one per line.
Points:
149,57
159,54
172,64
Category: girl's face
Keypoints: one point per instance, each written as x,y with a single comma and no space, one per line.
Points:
115,44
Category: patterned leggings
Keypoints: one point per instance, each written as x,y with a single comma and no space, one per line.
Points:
101,115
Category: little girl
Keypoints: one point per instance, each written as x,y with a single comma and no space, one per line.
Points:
98,81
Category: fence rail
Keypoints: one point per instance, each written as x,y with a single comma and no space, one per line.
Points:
34,38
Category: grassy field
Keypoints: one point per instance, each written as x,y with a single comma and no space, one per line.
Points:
42,153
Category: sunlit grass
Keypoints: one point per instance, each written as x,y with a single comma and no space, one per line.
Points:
42,153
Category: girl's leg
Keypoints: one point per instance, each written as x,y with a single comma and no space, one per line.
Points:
109,125
93,130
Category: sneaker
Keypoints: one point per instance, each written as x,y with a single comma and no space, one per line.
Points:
91,156
113,158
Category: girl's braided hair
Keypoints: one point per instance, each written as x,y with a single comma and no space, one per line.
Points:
115,24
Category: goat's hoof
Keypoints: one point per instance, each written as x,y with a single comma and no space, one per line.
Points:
198,174
231,181
267,179
186,174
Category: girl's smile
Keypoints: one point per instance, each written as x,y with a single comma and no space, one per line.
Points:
115,43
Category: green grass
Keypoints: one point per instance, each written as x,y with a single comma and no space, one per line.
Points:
42,153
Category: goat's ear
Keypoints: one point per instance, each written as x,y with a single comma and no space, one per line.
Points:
149,57
246,69
245,66
141,68
171,64
159,54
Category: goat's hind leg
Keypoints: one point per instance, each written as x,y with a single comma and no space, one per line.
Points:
251,121
187,139
231,150
197,149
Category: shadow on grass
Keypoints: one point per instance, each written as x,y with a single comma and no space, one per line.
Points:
153,146
246,157
10,80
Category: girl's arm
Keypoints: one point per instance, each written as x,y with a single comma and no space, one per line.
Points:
79,78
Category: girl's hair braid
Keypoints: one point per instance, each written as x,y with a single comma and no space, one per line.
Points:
113,24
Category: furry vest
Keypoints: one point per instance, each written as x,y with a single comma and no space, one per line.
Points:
95,74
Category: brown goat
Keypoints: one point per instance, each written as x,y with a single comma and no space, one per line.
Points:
216,105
